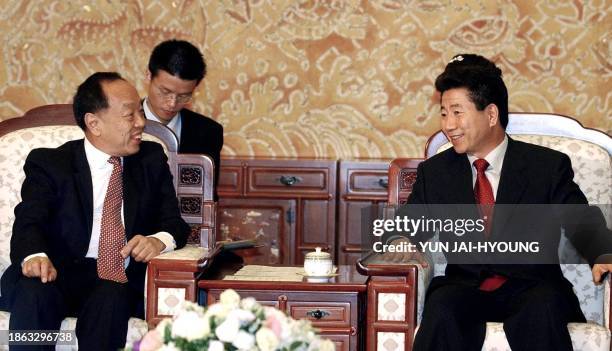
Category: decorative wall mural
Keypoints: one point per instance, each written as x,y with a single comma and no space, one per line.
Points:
333,78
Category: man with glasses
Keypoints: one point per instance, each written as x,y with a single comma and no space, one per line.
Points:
176,67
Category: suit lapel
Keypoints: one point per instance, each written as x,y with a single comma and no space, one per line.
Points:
512,182
512,185
132,177
460,192
83,182
460,178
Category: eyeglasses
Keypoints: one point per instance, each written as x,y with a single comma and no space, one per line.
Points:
169,95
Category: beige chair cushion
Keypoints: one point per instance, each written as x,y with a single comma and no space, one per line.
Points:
136,330
585,337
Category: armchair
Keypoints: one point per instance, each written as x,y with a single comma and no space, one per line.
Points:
589,151
172,276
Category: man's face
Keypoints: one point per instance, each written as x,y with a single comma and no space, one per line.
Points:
168,94
118,128
469,130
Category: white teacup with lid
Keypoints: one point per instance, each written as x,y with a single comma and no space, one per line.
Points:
318,263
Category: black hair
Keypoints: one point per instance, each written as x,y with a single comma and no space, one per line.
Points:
482,79
90,96
179,58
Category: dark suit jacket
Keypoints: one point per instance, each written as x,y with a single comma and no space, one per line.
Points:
530,174
202,135
55,215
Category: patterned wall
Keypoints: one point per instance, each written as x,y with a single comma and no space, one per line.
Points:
317,78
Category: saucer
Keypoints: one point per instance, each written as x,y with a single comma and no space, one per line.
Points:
318,278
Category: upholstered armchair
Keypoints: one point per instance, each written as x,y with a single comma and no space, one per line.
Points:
171,277
402,288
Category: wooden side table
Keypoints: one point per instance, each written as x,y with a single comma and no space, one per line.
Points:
336,307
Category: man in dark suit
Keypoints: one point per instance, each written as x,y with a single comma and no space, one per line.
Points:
485,166
93,213
176,67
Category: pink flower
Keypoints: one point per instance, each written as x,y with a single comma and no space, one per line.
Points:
151,341
276,325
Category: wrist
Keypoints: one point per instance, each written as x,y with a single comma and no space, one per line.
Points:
160,244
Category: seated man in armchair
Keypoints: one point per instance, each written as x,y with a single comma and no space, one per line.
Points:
93,213
485,166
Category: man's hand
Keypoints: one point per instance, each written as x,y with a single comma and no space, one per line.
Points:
598,271
404,257
39,266
142,248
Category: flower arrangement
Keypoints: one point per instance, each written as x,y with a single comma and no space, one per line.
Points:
232,324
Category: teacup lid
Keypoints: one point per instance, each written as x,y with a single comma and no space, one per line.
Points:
318,254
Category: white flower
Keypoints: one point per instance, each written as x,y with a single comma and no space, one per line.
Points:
229,298
266,339
227,330
244,341
169,347
190,325
241,315
243,324
248,303
217,310
216,346
322,345
190,306
293,329
161,326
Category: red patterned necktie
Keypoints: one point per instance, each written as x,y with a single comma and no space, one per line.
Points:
112,233
484,194
484,197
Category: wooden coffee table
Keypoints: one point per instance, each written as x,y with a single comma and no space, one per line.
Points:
336,307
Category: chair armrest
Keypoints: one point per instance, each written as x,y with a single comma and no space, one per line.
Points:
189,257
395,296
172,278
424,274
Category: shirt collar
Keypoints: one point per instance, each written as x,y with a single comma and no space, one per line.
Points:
96,158
495,158
151,115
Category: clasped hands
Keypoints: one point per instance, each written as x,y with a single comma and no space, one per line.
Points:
140,248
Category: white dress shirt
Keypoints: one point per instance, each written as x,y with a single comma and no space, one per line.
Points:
496,161
101,170
175,123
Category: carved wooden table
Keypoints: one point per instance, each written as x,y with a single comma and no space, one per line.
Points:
336,307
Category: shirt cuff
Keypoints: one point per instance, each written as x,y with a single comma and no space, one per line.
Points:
38,254
167,239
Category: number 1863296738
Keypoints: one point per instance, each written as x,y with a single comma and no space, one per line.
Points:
37,337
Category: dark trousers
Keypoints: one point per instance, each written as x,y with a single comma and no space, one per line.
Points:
535,316
102,307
